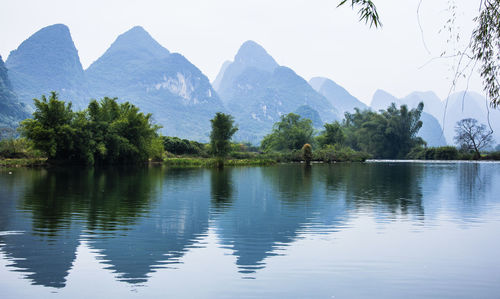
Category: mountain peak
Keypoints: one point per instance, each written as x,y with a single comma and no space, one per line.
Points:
250,55
52,29
338,96
48,60
254,55
138,40
46,41
382,99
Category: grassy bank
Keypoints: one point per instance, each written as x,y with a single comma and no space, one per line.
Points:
23,162
212,162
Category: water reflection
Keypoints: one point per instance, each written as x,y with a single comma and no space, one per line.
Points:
142,219
274,206
39,247
177,220
221,190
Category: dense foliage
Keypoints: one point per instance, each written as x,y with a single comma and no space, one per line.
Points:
434,153
223,129
333,134
291,133
178,146
392,133
106,132
389,134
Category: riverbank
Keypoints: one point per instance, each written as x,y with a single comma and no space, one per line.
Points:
212,162
264,160
23,162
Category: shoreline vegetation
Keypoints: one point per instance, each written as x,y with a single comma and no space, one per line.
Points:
113,133
201,162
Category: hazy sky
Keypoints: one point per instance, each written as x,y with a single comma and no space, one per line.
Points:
312,37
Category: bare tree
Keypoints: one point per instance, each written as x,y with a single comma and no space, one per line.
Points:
472,136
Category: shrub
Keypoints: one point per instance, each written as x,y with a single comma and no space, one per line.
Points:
338,153
307,153
446,153
12,148
179,146
492,156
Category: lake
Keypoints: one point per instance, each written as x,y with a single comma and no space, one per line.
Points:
367,230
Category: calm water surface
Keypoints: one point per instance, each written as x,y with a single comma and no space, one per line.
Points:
386,230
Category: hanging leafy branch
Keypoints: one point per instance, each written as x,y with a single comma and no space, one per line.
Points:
486,47
367,11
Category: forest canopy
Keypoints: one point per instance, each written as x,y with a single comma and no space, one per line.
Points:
106,132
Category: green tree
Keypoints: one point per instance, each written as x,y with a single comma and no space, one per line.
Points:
402,128
120,133
106,132
223,129
333,134
51,128
291,133
388,134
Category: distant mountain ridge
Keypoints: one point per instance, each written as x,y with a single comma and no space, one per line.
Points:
257,91
253,87
338,96
135,68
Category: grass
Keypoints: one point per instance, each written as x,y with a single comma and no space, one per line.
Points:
212,162
23,162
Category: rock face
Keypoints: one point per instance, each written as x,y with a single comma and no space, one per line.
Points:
48,61
11,111
138,69
338,96
431,130
257,91
218,79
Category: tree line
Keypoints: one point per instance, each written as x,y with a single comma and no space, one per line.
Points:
390,133
108,132
105,132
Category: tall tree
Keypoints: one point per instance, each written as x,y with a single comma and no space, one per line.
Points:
50,128
402,128
388,134
223,129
